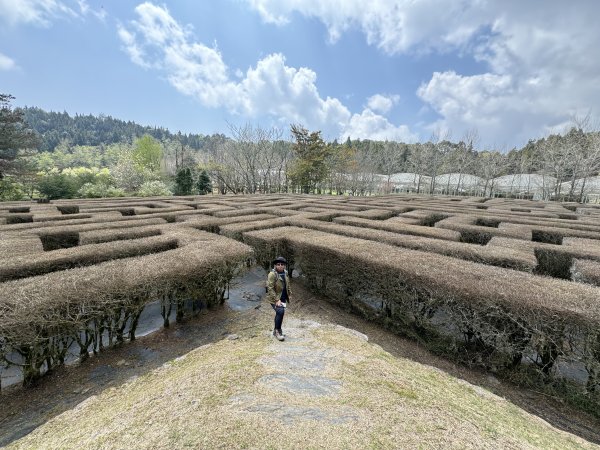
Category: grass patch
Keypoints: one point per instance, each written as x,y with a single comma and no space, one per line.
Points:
214,395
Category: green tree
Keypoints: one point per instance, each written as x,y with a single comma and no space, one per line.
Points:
15,137
147,153
310,167
184,182
11,189
203,185
57,185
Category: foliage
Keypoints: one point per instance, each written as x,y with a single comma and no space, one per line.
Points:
310,167
91,190
14,136
126,174
56,185
11,189
153,189
203,185
147,153
184,182
65,155
98,131
92,175
258,160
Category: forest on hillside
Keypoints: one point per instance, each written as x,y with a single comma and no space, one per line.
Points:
55,155
55,127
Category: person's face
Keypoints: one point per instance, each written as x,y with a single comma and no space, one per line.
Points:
280,267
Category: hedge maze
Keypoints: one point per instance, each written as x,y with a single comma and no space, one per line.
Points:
510,285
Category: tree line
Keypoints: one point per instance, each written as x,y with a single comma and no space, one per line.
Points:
102,156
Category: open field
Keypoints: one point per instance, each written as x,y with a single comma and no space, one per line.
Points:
507,285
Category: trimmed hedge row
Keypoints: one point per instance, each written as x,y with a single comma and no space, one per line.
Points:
504,320
42,316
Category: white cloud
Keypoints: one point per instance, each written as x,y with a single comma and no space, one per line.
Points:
269,89
7,63
36,12
382,103
541,73
85,9
43,12
369,125
540,63
393,26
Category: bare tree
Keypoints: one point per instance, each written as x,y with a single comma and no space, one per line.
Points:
391,156
417,163
489,166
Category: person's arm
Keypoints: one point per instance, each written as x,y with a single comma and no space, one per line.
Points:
271,294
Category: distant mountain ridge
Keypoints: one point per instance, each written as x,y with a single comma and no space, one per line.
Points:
54,127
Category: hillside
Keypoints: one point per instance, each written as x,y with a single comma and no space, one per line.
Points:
325,386
99,130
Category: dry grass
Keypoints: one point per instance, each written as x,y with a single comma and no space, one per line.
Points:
198,402
586,271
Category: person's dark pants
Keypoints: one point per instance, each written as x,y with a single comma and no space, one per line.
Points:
279,312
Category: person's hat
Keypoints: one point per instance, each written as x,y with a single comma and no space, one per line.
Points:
279,259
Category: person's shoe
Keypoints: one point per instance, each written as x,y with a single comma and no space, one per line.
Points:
279,336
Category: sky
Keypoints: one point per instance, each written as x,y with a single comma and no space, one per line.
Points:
400,70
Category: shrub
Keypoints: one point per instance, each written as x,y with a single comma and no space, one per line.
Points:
11,190
90,190
57,185
154,189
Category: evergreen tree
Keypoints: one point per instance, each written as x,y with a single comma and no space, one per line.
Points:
203,185
310,168
15,137
184,182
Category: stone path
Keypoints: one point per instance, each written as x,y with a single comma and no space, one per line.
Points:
298,366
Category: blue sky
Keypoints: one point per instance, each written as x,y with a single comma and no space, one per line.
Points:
397,70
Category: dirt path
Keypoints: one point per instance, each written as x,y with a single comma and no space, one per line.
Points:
24,410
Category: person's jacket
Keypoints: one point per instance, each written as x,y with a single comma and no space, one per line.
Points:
275,286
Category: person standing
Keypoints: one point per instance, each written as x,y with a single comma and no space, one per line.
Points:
278,293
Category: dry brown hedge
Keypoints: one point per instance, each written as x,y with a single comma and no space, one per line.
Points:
519,259
49,308
398,227
586,271
503,317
